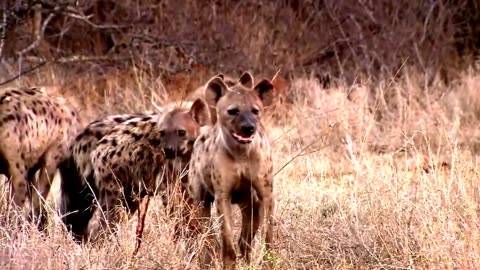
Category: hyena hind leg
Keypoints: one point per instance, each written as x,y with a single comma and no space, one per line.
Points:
106,217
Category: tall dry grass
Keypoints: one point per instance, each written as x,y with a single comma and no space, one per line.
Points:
378,171
364,181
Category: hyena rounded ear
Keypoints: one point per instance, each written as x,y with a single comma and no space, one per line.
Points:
199,112
264,90
220,75
246,79
214,90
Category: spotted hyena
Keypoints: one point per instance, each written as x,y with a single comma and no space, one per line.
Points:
128,160
231,163
35,130
77,188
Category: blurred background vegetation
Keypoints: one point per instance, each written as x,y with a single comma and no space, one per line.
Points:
329,39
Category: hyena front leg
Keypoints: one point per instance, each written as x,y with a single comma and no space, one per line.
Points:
250,224
17,196
41,189
207,250
185,224
106,216
224,206
264,190
18,182
142,212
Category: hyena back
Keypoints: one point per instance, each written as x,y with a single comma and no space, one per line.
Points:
77,188
36,130
129,159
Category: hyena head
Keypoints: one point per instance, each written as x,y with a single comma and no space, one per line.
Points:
239,108
180,127
246,80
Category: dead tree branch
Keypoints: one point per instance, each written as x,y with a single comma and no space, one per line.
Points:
28,71
74,13
62,60
38,38
3,33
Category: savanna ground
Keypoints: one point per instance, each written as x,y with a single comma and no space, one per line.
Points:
377,170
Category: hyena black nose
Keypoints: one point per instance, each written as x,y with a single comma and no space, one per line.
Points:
248,130
169,152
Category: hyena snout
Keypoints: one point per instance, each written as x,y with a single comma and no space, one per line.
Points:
245,130
173,142
248,129
174,147
170,152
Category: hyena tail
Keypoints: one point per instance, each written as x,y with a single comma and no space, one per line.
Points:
77,198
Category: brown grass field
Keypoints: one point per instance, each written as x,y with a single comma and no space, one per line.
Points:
375,150
352,192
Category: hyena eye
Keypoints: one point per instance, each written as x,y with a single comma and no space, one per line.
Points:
162,133
255,111
181,133
233,111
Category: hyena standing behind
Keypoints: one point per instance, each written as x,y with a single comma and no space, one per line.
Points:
35,131
128,160
232,164
77,188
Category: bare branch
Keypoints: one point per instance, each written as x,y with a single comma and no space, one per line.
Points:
39,36
73,13
3,34
76,58
30,70
302,153
276,74
37,19
89,58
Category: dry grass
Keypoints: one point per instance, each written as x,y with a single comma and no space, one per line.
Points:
354,192
378,171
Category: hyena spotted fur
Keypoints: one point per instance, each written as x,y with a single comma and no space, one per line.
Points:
77,188
232,164
35,131
128,160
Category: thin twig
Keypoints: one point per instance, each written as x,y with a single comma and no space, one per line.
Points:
77,15
301,153
24,73
75,58
276,74
301,123
89,58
